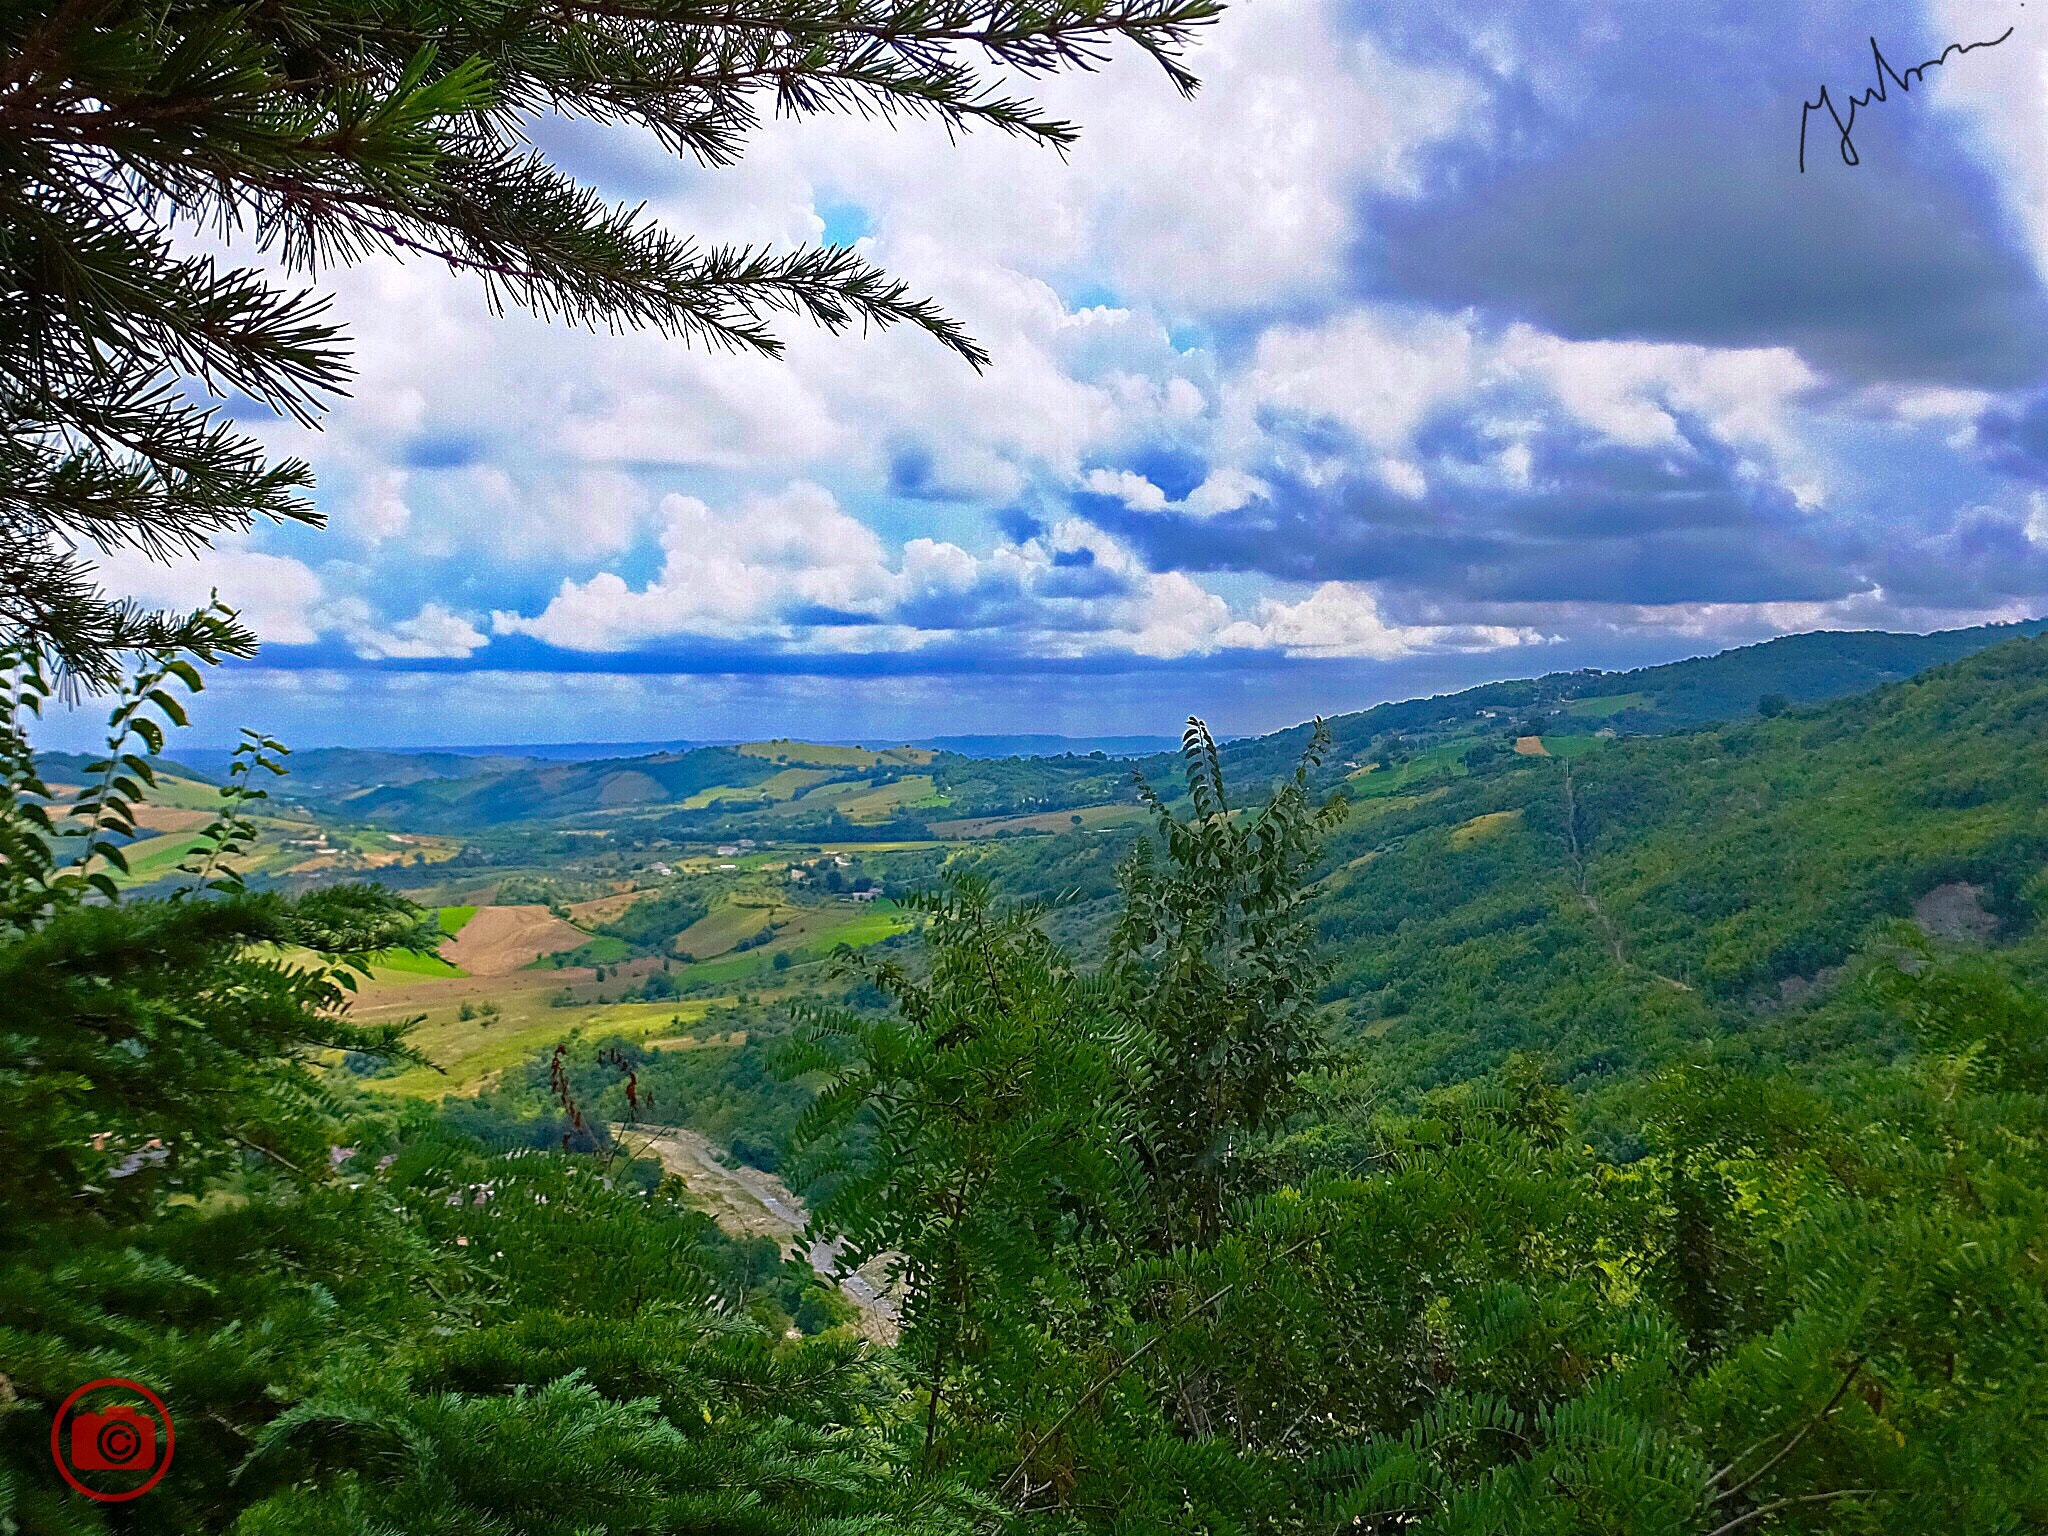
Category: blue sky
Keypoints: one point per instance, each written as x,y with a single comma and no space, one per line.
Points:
1429,344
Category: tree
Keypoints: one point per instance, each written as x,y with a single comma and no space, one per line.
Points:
1215,963
359,1317
999,1133
325,135
163,1041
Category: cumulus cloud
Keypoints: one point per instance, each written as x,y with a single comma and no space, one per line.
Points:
1416,335
276,596
794,568
434,633
1344,619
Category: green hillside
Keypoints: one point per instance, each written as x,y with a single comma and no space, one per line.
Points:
793,790
1681,695
1659,893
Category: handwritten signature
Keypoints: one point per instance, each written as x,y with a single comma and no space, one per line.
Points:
1904,81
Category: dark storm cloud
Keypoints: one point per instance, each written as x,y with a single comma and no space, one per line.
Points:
1666,203
2013,436
1597,522
1982,560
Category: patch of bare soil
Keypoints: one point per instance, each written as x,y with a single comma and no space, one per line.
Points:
499,940
1956,912
603,909
169,818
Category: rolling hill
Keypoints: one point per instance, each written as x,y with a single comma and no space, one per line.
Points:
1643,901
792,789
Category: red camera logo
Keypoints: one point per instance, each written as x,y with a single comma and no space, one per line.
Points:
112,1440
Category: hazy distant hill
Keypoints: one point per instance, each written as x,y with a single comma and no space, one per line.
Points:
787,788
1049,746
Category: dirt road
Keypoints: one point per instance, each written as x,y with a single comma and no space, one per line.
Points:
749,1202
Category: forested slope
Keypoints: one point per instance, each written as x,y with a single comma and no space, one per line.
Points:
1681,695
1619,907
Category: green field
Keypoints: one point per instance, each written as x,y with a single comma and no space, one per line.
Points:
1571,746
881,801
1605,706
453,919
786,785
724,926
405,963
1092,817
602,949
1371,784
468,1050
813,754
150,858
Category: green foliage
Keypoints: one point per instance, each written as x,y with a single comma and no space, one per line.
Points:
155,1039
1660,897
363,1318
1172,1261
1215,966
1810,1304
653,922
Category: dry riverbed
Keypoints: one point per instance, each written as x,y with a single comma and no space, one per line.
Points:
750,1202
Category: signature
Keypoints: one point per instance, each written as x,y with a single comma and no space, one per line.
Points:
1904,81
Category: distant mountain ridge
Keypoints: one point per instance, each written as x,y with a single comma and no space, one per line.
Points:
794,788
1042,745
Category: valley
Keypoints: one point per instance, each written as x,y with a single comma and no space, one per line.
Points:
625,898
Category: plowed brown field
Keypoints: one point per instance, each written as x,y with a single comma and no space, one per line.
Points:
499,940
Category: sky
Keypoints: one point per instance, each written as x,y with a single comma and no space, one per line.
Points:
1427,345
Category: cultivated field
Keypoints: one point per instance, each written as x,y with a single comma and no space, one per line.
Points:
499,940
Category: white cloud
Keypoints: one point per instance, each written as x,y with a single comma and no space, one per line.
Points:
432,633
795,568
1226,490
1343,618
382,512
275,594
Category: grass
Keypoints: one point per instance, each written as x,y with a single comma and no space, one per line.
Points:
1090,817
810,933
153,858
879,802
469,1050
407,963
184,794
1606,705
724,926
1480,828
817,755
1572,746
150,857
602,949
453,919
786,785
1449,758
878,921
